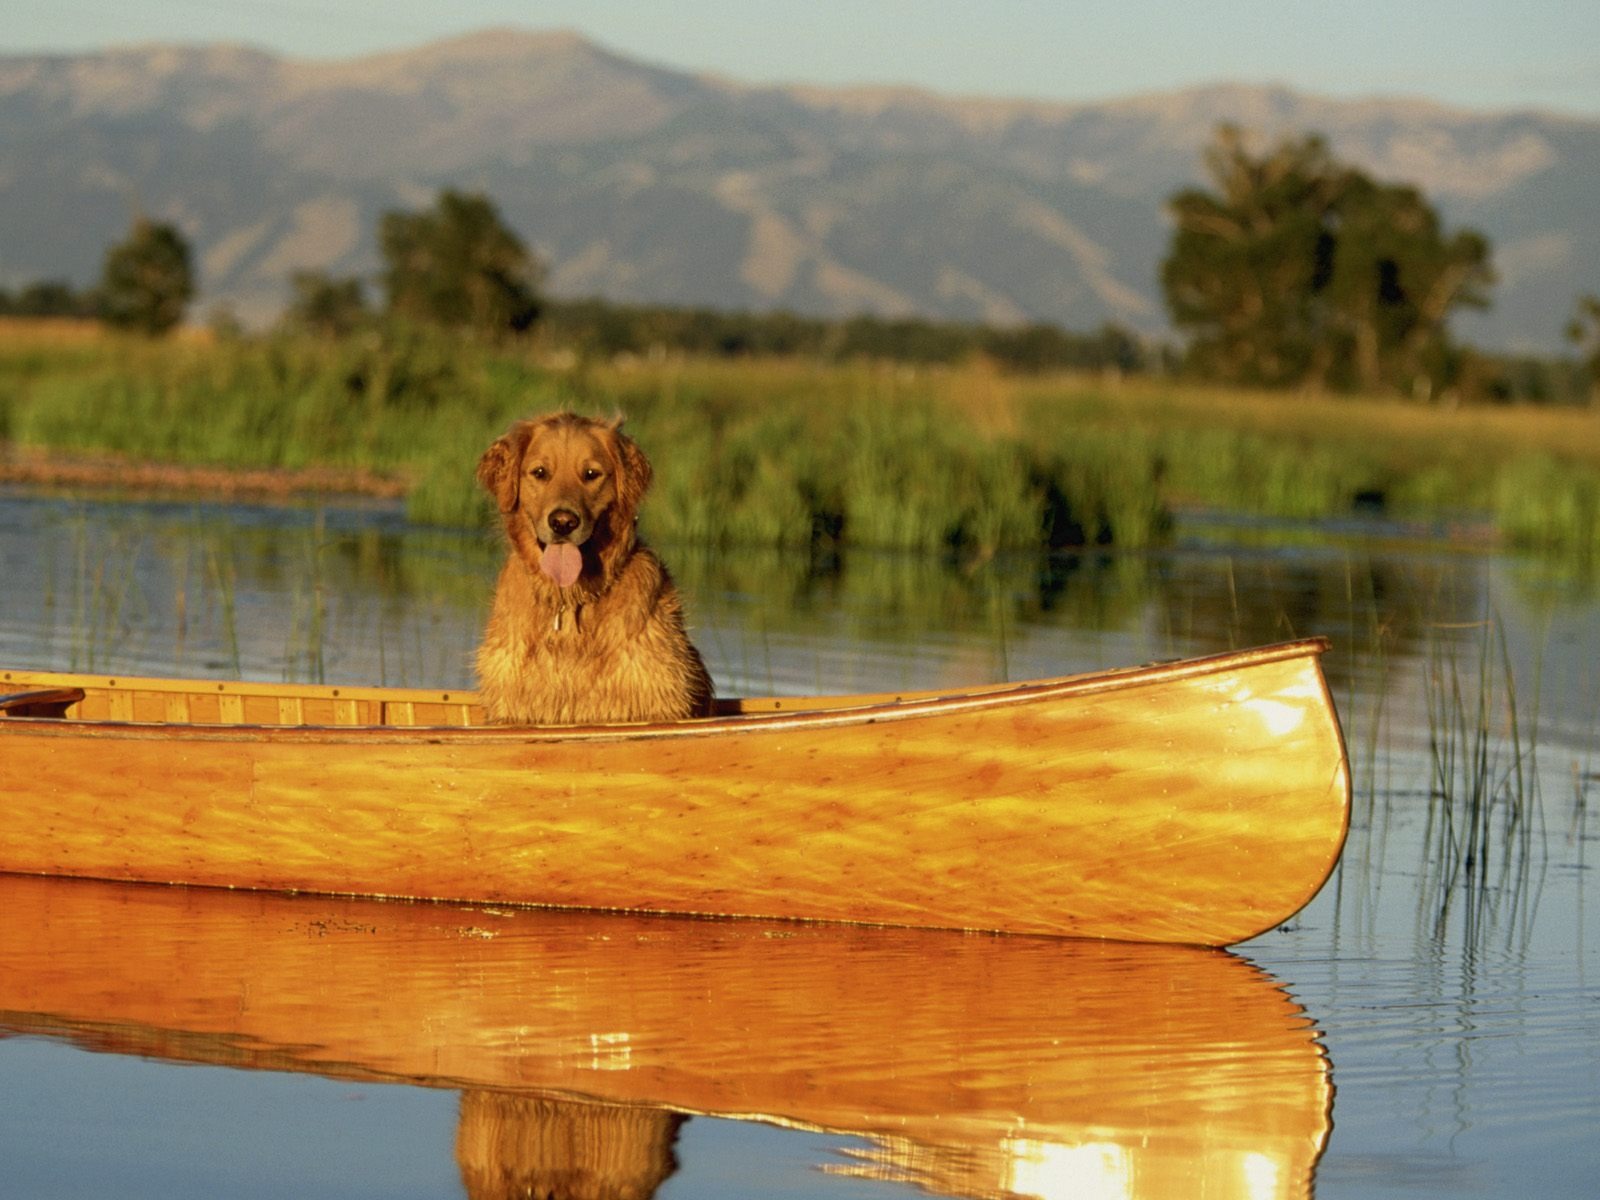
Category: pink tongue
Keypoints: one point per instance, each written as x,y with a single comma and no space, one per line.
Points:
563,562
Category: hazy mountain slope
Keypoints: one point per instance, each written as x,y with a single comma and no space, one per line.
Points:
641,183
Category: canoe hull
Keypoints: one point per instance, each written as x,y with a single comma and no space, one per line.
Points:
1199,803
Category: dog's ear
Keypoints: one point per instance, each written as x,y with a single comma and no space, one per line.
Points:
500,468
634,471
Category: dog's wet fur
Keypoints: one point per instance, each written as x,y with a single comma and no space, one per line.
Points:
586,626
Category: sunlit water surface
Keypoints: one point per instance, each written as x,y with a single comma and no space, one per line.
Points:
1455,1015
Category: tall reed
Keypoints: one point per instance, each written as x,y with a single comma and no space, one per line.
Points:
222,574
1483,810
108,610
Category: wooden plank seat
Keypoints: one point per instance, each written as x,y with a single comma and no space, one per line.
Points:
40,702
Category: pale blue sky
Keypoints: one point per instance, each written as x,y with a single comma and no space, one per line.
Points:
1478,53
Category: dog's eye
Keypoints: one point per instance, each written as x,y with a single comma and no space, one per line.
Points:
539,473
590,474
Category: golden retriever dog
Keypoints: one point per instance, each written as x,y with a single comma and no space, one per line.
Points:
586,626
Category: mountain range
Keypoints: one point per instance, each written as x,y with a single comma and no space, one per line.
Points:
640,183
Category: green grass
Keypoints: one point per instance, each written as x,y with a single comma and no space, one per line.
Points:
785,453
1484,803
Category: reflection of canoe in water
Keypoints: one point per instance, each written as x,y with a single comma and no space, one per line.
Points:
1201,801
977,1065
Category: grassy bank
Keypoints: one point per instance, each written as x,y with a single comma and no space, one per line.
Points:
780,452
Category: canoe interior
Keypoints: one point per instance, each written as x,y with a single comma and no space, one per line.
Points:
190,702
155,701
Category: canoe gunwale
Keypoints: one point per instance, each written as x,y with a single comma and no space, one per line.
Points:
1199,801
835,714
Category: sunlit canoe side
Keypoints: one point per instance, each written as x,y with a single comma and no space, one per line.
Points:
1197,802
978,1065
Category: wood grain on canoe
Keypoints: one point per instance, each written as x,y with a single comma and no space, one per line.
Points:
1197,802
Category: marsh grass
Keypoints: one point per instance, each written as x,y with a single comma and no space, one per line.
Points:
108,611
305,654
222,573
1365,649
1545,502
1481,848
789,453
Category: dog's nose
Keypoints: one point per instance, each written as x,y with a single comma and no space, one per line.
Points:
562,522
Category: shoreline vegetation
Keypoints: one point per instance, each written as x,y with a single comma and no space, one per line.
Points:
780,451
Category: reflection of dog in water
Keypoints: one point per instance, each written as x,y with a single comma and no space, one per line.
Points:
586,625
512,1147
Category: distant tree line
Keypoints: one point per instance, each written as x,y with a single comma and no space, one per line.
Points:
458,265
145,285
597,328
49,298
1291,270
605,330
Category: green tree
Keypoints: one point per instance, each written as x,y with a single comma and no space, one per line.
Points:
1395,280
1297,270
458,265
48,298
326,306
1584,332
147,281
1247,259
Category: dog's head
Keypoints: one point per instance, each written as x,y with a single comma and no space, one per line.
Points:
568,489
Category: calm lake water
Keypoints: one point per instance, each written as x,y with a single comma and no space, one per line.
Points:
1437,994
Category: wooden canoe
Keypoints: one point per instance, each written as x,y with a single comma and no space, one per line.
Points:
975,1066
1199,802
